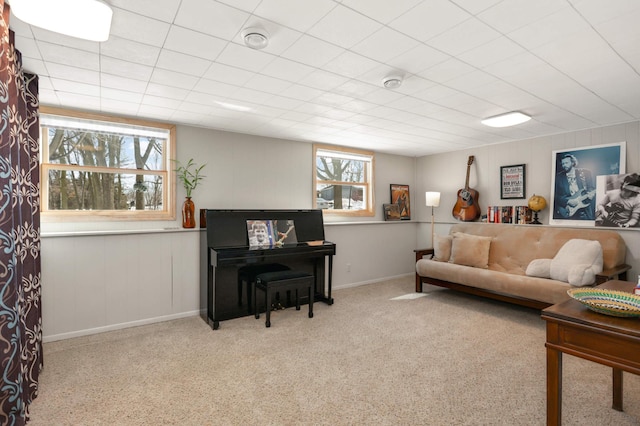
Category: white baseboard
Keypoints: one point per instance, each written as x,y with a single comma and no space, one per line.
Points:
96,330
377,280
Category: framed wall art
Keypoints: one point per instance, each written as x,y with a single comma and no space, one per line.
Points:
573,183
513,183
391,211
400,196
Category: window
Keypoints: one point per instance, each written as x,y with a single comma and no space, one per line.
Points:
103,167
343,180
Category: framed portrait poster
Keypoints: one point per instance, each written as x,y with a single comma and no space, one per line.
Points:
618,201
574,177
513,182
400,196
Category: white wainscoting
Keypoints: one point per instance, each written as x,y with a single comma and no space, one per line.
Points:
102,282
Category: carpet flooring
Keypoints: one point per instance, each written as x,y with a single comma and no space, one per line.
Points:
377,356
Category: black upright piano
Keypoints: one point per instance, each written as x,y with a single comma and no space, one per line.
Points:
227,250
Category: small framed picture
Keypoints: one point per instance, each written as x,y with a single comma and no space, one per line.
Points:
513,184
400,196
391,211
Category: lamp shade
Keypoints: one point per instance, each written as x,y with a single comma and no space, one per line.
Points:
86,19
432,198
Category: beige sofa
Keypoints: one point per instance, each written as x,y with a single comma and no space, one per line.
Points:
511,250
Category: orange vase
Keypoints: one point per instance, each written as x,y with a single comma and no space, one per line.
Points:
188,214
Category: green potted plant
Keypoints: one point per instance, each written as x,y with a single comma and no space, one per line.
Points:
190,176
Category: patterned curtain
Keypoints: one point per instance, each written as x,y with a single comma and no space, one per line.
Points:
20,291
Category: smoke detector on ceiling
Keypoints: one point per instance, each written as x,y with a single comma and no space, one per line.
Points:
255,38
392,81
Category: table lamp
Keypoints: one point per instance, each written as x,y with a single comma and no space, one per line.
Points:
432,200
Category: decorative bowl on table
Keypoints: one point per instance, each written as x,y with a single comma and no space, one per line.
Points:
608,302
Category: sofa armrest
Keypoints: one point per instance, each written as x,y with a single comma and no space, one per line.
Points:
616,273
420,253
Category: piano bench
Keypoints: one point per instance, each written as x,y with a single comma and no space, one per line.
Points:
271,282
247,274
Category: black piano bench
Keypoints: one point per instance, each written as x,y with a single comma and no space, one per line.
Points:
247,274
272,282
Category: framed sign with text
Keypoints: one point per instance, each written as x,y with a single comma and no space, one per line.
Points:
513,182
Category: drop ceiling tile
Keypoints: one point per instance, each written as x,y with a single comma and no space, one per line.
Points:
323,80
68,72
164,91
244,95
312,51
75,101
129,50
129,108
303,93
475,6
160,101
344,27
286,69
173,79
163,10
299,15
382,96
489,53
35,66
351,65
510,15
27,45
418,59
280,37
594,12
384,45
69,86
464,37
210,87
267,84
447,70
429,19
179,62
194,43
381,11
228,74
125,69
120,95
65,55
132,26
211,17
240,56
246,5
550,29
122,83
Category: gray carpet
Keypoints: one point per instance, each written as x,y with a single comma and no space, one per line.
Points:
442,359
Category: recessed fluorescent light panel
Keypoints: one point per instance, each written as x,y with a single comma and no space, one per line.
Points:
506,120
85,19
233,106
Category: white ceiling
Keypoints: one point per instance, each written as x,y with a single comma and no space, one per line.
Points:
571,64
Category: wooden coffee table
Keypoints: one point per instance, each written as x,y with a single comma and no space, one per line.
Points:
574,329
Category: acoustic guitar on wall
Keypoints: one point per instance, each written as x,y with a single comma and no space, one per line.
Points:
466,208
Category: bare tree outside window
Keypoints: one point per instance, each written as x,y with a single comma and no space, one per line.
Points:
101,166
343,180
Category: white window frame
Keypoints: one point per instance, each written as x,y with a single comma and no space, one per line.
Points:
168,211
368,157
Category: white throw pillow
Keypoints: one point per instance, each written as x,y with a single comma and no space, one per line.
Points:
539,268
577,262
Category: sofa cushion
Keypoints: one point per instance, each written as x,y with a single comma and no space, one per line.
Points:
539,268
442,247
470,250
577,262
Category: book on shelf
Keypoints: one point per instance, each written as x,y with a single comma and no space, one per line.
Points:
509,214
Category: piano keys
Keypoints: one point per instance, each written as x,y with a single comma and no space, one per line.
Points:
227,249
